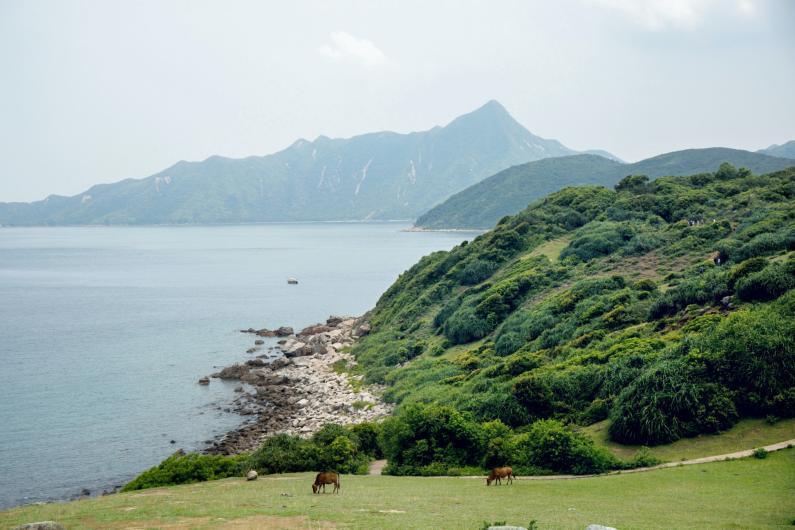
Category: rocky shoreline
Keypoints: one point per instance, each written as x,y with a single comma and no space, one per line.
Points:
300,385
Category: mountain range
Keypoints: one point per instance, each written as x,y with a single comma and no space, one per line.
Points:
382,175
786,150
510,191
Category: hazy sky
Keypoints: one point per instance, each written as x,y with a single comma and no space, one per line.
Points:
97,91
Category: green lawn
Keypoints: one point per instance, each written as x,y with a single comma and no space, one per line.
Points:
747,434
748,493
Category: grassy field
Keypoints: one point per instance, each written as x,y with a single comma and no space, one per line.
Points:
747,434
748,493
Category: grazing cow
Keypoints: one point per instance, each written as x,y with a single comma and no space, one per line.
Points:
327,477
499,473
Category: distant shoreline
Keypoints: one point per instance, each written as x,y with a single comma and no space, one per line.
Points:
235,223
458,230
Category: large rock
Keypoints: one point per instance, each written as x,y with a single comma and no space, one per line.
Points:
284,331
314,330
251,475
334,320
598,527
266,333
362,329
236,371
42,525
255,377
256,363
294,348
281,362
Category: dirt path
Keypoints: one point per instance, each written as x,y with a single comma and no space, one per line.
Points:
378,465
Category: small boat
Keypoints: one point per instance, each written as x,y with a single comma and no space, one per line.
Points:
292,281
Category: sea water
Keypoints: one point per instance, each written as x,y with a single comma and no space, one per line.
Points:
104,332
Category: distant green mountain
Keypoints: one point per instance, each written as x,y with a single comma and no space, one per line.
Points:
382,175
511,190
786,150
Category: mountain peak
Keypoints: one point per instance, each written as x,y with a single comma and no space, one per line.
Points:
491,114
491,109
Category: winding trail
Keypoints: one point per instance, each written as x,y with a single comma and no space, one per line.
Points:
377,465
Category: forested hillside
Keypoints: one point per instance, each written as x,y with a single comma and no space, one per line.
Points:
666,306
510,191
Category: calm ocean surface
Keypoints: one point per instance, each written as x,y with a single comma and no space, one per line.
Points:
104,332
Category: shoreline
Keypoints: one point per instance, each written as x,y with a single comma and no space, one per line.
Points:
415,228
300,386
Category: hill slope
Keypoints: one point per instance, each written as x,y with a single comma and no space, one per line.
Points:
373,176
664,305
786,150
509,191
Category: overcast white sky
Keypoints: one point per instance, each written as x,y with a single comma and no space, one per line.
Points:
97,91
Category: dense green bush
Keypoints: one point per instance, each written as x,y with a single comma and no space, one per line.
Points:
534,394
549,444
598,239
367,434
422,435
702,288
466,325
753,352
767,284
668,402
476,271
183,468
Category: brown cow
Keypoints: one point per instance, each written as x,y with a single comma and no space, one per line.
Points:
327,477
499,473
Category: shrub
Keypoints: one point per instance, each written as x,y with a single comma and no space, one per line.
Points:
751,351
284,453
465,325
597,411
767,284
183,468
498,449
632,183
760,453
340,456
597,239
367,433
497,404
643,458
534,394
476,271
508,343
667,402
549,444
707,287
420,435
745,268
